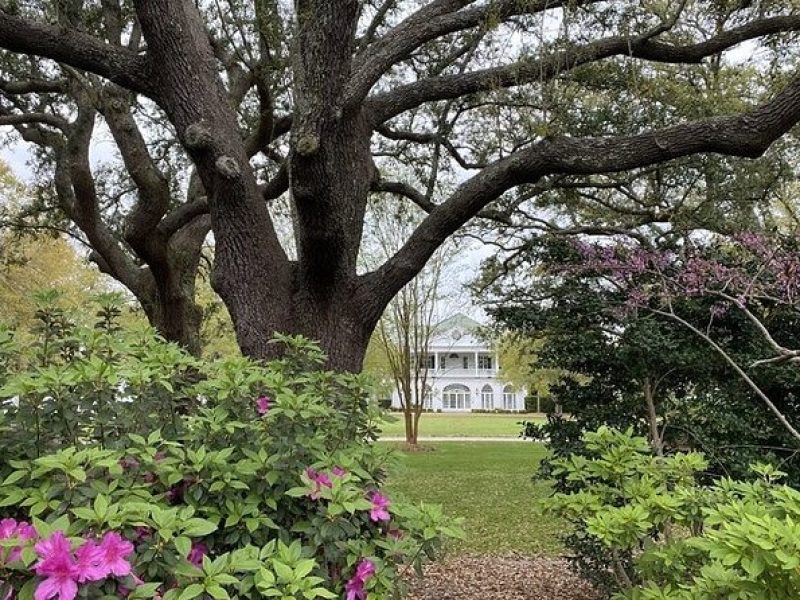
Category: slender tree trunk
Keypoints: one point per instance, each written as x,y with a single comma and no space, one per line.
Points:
652,416
411,434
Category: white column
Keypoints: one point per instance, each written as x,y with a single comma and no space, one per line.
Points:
476,364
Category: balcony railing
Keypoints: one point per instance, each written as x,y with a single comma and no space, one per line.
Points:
461,372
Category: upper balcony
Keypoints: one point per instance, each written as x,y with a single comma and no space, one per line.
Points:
460,364
462,373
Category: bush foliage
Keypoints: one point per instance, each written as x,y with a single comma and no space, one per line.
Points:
668,537
230,479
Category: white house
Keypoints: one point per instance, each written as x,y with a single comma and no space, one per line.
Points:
462,371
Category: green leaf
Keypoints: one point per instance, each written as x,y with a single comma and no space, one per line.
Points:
198,527
14,478
101,506
217,592
183,545
193,591
144,591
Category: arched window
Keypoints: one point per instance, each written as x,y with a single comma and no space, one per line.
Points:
427,398
487,397
509,398
455,397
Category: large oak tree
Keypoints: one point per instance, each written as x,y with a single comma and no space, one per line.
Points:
315,102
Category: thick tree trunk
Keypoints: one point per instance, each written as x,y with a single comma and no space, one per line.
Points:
336,323
176,317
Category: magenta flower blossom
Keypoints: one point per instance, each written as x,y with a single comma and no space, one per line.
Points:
263,405
11,529
339,471
114,551
196,554
56,545
90,562
58,567
380,504
320,480
354,588
63,570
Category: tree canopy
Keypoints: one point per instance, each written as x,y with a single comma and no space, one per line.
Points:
243,116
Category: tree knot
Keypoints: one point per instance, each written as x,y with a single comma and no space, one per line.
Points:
228,167
307,144
198,136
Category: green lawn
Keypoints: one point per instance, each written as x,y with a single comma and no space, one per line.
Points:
489,484
463,424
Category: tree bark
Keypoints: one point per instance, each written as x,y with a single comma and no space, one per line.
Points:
648,388
338,101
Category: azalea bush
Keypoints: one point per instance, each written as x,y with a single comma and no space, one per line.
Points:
133,470
667,537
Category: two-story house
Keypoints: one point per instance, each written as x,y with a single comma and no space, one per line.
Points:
462,371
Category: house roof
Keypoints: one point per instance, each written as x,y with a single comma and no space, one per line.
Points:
458,332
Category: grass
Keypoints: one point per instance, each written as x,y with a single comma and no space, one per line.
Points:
462,425
489,484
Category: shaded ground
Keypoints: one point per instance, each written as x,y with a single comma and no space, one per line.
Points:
489,484
500,578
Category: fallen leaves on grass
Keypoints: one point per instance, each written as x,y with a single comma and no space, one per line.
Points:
500,578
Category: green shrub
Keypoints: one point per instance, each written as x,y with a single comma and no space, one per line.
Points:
230,479
665,536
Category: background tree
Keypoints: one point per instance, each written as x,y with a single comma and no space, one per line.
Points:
644,371
408,325
520,355
32,260
254,101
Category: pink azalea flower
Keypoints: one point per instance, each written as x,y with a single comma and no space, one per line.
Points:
354,588
7,528
58,567
115,549
10,529
320,480
380,504
90,562
56,545
339,471
196,554
263,405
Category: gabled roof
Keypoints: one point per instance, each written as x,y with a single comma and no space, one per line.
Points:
458,331
458,321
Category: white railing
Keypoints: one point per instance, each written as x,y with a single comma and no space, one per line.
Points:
461,372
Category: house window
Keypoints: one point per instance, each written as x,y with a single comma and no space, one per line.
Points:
456,397
427,398
466,362
427,361
484,362
509,398
487,397
442,363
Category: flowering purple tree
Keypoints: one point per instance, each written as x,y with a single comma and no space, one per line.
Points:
751,273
